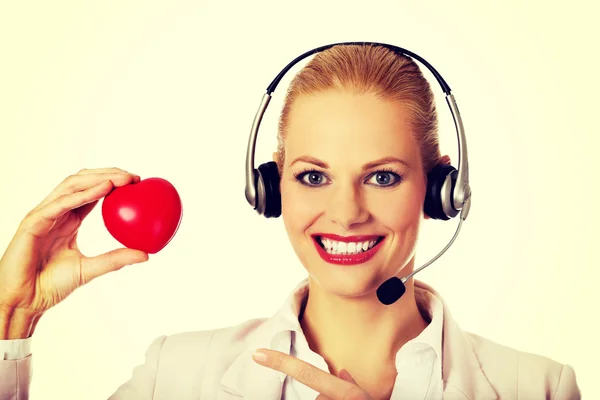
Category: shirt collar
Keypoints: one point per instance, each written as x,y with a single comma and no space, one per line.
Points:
432,309
286,319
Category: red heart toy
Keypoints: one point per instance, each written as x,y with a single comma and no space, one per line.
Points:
143,216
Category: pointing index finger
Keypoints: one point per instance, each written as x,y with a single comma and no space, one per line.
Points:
309,375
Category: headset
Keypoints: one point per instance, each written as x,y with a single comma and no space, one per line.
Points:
448,192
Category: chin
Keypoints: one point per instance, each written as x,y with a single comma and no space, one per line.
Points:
345,285
347,281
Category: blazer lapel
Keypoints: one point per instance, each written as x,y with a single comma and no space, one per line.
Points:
461,371
245,379
248,380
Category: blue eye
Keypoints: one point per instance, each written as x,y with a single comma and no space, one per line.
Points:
310,178
385,178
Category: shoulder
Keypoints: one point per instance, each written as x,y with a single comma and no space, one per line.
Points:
197,349
530,373
181,364
200,343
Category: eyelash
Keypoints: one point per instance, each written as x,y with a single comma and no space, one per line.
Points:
399,177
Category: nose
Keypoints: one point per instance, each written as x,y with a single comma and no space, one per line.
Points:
346,207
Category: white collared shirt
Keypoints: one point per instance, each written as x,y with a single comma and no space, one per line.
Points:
418,362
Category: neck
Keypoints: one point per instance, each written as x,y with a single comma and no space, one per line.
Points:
360,334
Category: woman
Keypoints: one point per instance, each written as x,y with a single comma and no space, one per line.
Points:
358,135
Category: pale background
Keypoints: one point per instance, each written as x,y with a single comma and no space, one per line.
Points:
169,89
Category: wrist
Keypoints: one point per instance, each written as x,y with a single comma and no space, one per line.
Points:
16,323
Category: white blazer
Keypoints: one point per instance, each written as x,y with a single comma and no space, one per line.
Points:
217,365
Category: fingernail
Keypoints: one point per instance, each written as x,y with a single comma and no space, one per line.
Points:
259,356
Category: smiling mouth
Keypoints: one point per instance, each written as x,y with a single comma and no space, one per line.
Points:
356,245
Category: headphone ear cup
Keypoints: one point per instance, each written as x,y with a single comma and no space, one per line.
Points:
269,198
438,197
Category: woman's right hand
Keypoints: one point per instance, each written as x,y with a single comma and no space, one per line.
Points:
43,265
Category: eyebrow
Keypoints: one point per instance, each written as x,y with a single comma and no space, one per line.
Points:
369,165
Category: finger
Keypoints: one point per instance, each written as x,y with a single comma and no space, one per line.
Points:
86,209
78,183
345,375
307,374
93,267
40,222
87,171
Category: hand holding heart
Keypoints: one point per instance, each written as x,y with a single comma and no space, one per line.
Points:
42,264
329,386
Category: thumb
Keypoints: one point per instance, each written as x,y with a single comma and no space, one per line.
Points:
345,375
93,267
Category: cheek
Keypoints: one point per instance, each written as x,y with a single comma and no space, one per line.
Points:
299,206
401,211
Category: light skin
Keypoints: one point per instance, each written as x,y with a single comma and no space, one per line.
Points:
352,167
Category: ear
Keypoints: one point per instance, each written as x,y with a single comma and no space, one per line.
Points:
445,159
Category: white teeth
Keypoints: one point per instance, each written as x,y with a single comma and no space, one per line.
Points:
351,248
335,247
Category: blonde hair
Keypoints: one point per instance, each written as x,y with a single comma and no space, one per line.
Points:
369,69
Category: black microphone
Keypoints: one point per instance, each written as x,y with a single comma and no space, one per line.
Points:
390,291
393,289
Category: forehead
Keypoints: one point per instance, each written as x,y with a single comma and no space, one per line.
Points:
343,125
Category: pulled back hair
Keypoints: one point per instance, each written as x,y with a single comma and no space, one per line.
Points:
369,69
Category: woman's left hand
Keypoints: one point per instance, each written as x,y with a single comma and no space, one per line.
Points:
329,386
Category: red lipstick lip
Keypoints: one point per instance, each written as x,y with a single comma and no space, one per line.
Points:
347,259
347,239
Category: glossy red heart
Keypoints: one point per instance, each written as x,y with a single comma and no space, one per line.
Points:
143,216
